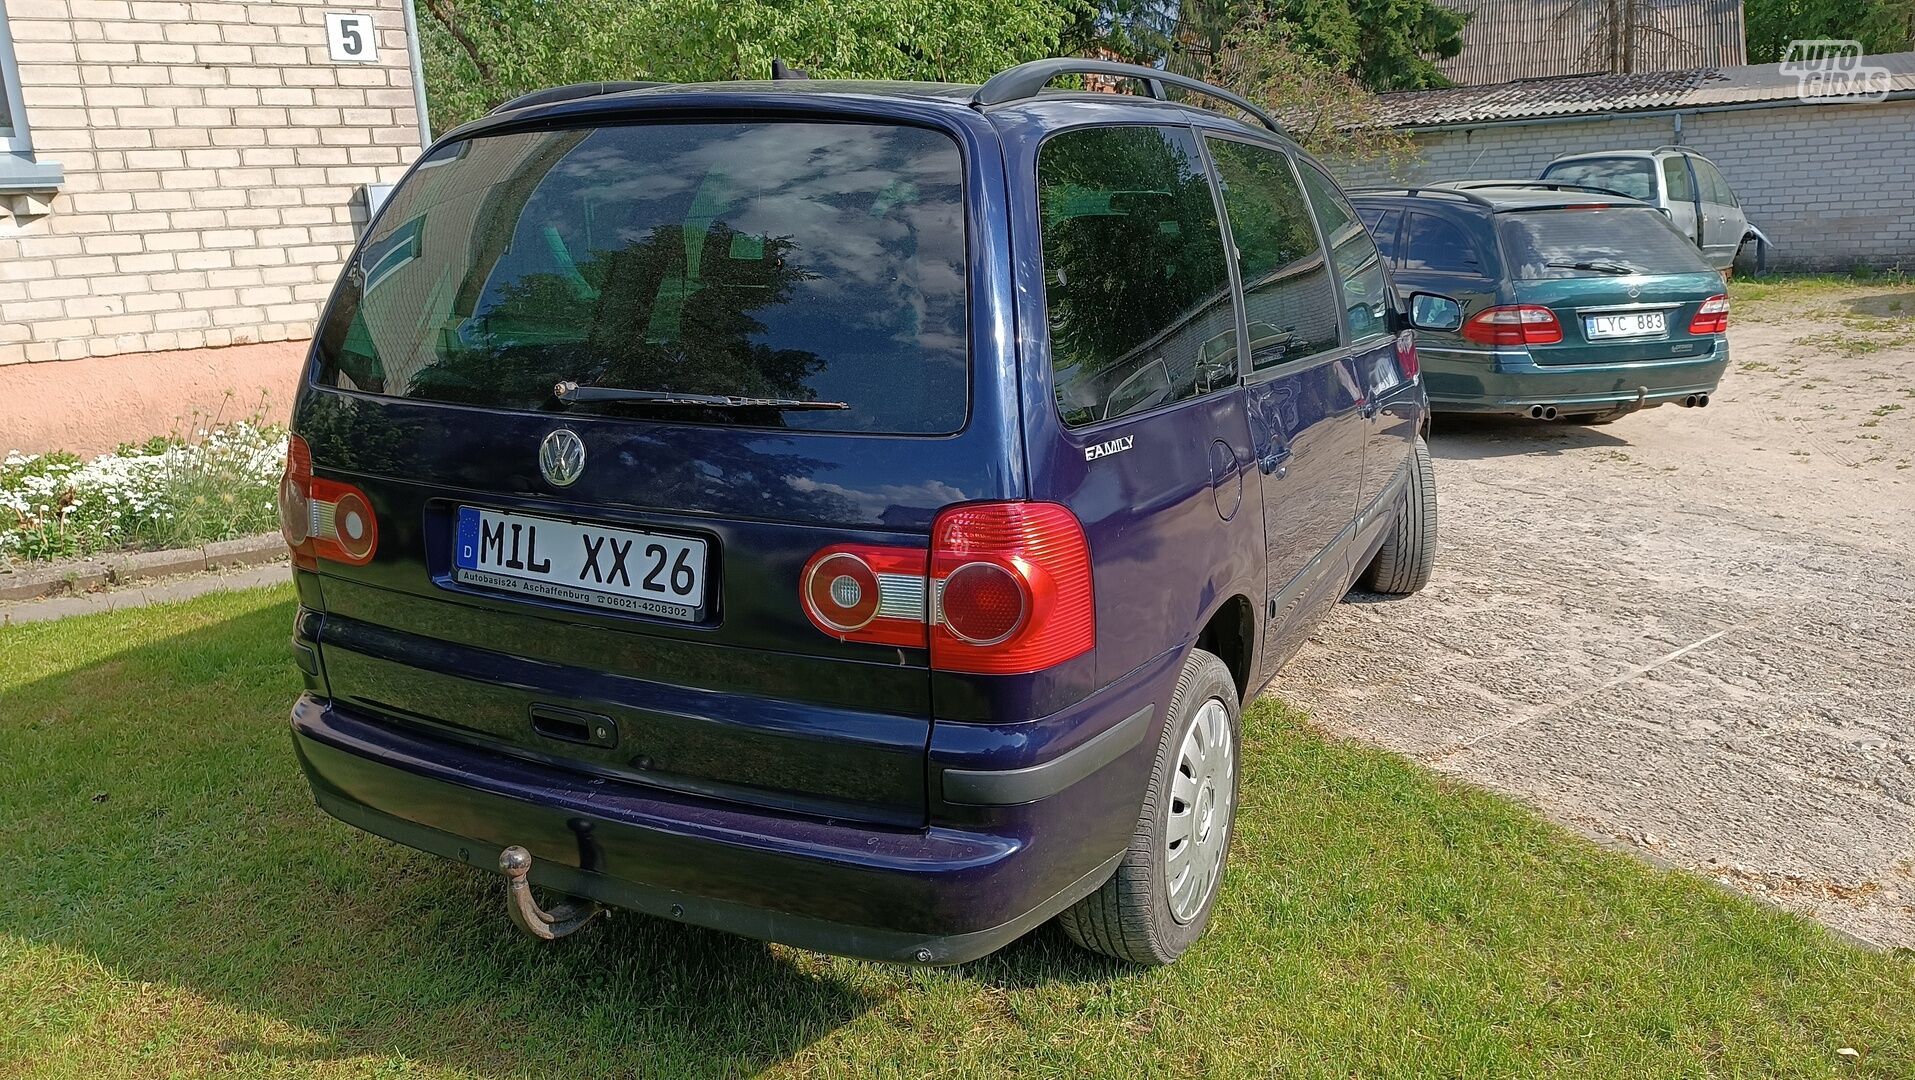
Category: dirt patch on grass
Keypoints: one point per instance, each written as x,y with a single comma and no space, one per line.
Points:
1691,630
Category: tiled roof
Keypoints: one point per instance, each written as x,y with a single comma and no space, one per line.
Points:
1585,94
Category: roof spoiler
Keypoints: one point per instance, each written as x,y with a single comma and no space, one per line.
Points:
569,93
1023,82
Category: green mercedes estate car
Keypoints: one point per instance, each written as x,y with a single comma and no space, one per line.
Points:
1551,301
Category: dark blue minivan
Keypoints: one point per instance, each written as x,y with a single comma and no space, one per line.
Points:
848,514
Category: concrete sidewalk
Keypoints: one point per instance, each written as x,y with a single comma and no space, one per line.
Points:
139,595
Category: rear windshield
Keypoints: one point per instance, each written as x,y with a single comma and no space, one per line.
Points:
802,261
1593,242
1634,177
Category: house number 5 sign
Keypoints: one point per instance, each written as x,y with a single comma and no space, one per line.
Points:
350,38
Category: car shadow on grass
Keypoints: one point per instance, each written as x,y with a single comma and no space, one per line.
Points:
1467,437
166,834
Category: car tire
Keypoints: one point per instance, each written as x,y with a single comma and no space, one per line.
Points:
1158,903
1403,564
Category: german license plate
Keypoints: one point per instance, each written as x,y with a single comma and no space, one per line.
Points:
1634,324
622,569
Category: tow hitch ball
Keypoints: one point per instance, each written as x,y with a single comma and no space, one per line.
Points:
562,920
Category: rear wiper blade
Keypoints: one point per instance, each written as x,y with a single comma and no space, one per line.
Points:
571,393
1598,267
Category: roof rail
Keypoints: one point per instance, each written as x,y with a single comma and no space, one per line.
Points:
1539,185
1025,80
1466,196
568,93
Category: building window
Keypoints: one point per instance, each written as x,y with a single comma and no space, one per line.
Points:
19,173
13,118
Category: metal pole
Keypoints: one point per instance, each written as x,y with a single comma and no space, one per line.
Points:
418,73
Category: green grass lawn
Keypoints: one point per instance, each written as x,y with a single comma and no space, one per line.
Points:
173,904
1755,288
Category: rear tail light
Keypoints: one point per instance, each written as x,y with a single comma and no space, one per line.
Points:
1514,324
1712,317
320,518
861,593
1004,590
1012,588
1406,354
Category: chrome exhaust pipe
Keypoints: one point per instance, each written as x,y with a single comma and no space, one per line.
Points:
1542,412
1689,402
1702,401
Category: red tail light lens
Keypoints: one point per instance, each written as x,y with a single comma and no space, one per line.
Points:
1712,317
323,519
863,593
1004,590
1406,354
1014,588
295,503
1514,324
982,603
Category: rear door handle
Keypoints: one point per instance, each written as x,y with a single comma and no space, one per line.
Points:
573,726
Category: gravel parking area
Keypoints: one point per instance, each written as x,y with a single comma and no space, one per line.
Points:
1691,631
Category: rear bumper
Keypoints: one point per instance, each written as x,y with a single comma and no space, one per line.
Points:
939,895
1510,381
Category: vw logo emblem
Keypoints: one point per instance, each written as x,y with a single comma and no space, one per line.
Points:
562,457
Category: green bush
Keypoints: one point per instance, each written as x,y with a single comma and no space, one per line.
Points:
172,491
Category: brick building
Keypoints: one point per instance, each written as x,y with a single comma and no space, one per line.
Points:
1826,181
179,185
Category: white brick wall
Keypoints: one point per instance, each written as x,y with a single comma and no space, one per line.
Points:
211,152
1828,183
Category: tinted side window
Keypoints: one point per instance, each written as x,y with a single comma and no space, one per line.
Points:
1134,274
1382,224
1359,268
1675,176
1714,188
1436,244
1625,176
1287,296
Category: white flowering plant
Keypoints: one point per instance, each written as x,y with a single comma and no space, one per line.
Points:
172,491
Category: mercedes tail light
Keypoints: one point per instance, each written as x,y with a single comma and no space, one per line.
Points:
1514,324
320,518
1712,317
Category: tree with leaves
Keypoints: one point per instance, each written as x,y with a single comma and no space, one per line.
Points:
1383,45
1330,112
479,53
1881,26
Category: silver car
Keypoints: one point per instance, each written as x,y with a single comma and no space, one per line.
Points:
1684,184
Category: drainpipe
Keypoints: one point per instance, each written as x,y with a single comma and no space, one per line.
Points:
418,72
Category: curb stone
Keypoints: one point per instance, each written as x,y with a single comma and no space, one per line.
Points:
95,573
